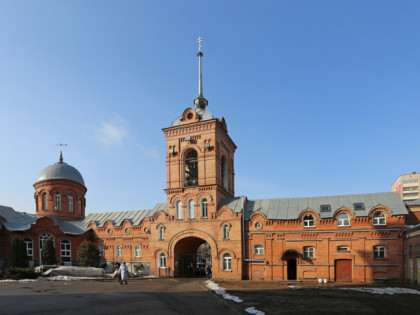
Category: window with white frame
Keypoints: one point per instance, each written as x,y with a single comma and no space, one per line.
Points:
379,252
42,239
137,251
226,262
309,252
79,205
162,260
71,203
308,221
225,230
57,201
343,220
44,201
343,249
161,232
179,210
258,250
119,251
204,208
102,250
65,251
29,248
191,214
379,218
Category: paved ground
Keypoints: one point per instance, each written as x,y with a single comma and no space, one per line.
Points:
142,296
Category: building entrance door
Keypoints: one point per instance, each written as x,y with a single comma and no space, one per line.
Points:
343,270
192,255
291,269
187,265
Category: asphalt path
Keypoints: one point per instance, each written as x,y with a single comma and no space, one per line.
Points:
140,296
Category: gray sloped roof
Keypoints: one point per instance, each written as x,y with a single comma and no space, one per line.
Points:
290,208
415,202
202,113
21,221
116,218
60,170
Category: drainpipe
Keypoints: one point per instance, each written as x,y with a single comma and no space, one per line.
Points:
243,229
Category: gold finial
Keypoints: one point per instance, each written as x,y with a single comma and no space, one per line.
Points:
199,40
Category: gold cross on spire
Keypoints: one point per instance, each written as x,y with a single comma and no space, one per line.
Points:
199,40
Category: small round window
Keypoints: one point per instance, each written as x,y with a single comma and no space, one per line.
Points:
127,231
258,225
109,231
190,116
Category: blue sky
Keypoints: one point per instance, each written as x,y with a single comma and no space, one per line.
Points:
321,97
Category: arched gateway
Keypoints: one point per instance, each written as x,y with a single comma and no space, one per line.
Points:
191,252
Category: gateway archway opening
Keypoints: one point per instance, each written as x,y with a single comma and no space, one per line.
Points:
192,255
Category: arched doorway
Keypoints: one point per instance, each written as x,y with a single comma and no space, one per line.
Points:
192,254
291,257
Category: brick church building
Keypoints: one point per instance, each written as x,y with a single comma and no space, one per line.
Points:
356,238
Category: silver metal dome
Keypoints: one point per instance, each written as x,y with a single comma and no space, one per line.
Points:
60,170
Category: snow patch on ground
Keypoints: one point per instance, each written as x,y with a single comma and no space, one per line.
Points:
252,310
222,291
389,291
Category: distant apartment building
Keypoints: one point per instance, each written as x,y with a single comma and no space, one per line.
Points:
407,186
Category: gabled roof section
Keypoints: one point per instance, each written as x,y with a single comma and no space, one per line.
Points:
235,203
290,208
116,218
16,221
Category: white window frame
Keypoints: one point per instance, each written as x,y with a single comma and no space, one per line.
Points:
342,249
309,252
226,262
341,221
65,251
71,203
162,261
258,249
161,232
379,218
137,251
379,252
29,245
225,231
118,251
308,221
179,210
79,206
42,240
57,201
102,250
191,209
204,208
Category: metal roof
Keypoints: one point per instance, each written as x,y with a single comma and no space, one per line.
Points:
202,113
116,218
60,170
290,208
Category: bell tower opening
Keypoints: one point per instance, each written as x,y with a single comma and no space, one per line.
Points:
191,168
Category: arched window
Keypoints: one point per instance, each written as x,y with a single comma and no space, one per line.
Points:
79,205
137,251
204,208
179,210
379,218
162,260
379,252
258,250
191,169
224,173
65,252
308,221
343,220
57,201
42,240
161,232
226,262
44,201
225,230
71,203
191,210
119,251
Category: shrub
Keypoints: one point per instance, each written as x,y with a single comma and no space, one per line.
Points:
48,252
17,273
19,256
88,255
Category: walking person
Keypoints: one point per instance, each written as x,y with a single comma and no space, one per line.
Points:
117,269
123,271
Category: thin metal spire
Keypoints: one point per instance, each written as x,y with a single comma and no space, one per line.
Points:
200,101
61,153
